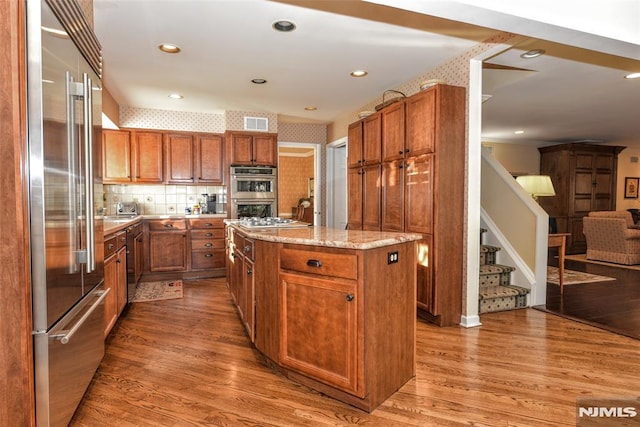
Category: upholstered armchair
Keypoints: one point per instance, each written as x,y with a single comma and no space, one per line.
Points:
612,236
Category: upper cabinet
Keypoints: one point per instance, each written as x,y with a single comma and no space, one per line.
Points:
131,156
252,148
148,156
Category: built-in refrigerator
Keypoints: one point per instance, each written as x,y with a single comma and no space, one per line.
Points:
65,204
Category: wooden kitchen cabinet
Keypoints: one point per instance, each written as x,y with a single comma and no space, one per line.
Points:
209,159
116,152
584,179
354,148
371,139
207,244
147,156
179,158
393,133
115,277
167,245
252,148
421,189
241,281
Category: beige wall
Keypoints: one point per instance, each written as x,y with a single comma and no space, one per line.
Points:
518,159
293,178
110,107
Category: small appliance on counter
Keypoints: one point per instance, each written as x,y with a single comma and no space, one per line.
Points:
127,209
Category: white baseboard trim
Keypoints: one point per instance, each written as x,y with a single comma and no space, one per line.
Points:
470,321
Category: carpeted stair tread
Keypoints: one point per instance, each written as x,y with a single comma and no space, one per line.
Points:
489,248
495,269
498,291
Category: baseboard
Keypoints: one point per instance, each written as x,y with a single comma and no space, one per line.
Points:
470,321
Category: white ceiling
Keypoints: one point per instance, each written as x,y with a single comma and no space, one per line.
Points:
226,43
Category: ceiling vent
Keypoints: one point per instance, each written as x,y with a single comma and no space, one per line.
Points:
256,123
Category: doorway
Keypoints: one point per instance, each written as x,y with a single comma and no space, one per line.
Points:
337,184
297,180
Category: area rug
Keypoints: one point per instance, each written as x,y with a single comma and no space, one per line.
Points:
572,277
157,291
583,258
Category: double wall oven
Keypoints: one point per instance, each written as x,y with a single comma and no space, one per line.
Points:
253,191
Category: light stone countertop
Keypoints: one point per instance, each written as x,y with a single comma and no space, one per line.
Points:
113,224
329,237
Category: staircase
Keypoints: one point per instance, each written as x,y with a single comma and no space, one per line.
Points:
496,291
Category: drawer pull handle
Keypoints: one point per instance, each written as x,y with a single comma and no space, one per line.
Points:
110,246
208,234
247,249
208,245
208,224
314,263
168,226
349,297
208,255
249,271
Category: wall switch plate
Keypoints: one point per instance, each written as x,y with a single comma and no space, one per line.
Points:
392,257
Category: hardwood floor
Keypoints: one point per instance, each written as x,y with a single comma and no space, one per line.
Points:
188,362
612,305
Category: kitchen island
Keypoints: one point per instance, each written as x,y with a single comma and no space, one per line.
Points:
331,309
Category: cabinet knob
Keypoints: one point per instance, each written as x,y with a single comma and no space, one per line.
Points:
249,271
349,297
118,261
110,246
406,150
247,249
400,152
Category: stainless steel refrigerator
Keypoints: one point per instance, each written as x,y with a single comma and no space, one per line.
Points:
64,106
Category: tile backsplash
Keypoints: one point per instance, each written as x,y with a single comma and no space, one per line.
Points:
162,199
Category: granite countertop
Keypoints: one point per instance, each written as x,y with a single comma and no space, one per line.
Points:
330,237
115,224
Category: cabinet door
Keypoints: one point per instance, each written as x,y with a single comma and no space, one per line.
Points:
425,294
265,150
419,194
111,301
116,151
354,145
393,132
168,251
147,156
392,218
179,158
121,267
354,193
371,192
209,159
371,139
241,149
321,335
235,272
420,123
138,257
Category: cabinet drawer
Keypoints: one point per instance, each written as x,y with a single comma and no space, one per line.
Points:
203,260
206,244
344,265
206,223
246,248
167,224
207,234
114,242
135,229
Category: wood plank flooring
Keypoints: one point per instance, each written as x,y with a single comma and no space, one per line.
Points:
612,305
188,362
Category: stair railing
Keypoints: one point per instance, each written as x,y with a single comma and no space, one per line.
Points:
518,224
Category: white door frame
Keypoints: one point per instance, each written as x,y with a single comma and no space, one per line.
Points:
331,161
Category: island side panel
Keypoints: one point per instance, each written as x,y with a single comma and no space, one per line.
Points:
390,319
267,333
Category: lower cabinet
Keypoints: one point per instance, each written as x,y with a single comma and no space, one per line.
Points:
167,245
115,278
339,320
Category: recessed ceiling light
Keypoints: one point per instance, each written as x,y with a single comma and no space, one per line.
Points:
519,132
358,73
258,81
169,48
176,96
632,76
534,53
284,25
311,108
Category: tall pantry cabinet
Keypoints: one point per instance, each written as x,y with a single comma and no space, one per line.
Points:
419,187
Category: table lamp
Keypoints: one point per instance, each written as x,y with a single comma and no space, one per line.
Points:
537,185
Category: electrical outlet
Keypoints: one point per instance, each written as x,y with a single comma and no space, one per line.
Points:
392,257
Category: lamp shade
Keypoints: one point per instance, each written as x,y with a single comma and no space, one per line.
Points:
537,185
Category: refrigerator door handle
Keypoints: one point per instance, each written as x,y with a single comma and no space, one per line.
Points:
88,161
72,92
66,337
